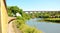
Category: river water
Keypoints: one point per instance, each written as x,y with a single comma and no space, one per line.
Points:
46,27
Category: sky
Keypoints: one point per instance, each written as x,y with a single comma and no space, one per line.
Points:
35,5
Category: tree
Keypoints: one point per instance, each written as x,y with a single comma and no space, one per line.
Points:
13,10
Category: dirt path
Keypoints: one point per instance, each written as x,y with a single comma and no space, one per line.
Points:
10,28
16,29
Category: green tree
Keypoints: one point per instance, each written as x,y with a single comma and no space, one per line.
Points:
12,10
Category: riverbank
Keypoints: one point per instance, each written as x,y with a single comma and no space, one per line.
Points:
54,20
24,28
44,26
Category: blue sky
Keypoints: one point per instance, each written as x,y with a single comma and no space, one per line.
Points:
35,4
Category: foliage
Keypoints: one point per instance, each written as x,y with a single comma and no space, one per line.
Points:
56,20
12,10
20,23
26,29
26,16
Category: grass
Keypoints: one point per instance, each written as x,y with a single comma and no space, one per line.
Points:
56,20
20,23
52,18
27,29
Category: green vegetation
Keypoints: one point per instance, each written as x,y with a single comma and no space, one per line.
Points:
26,16
20,21
12,10
52,18
27,29
56,20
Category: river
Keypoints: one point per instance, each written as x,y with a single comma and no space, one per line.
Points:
46,27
